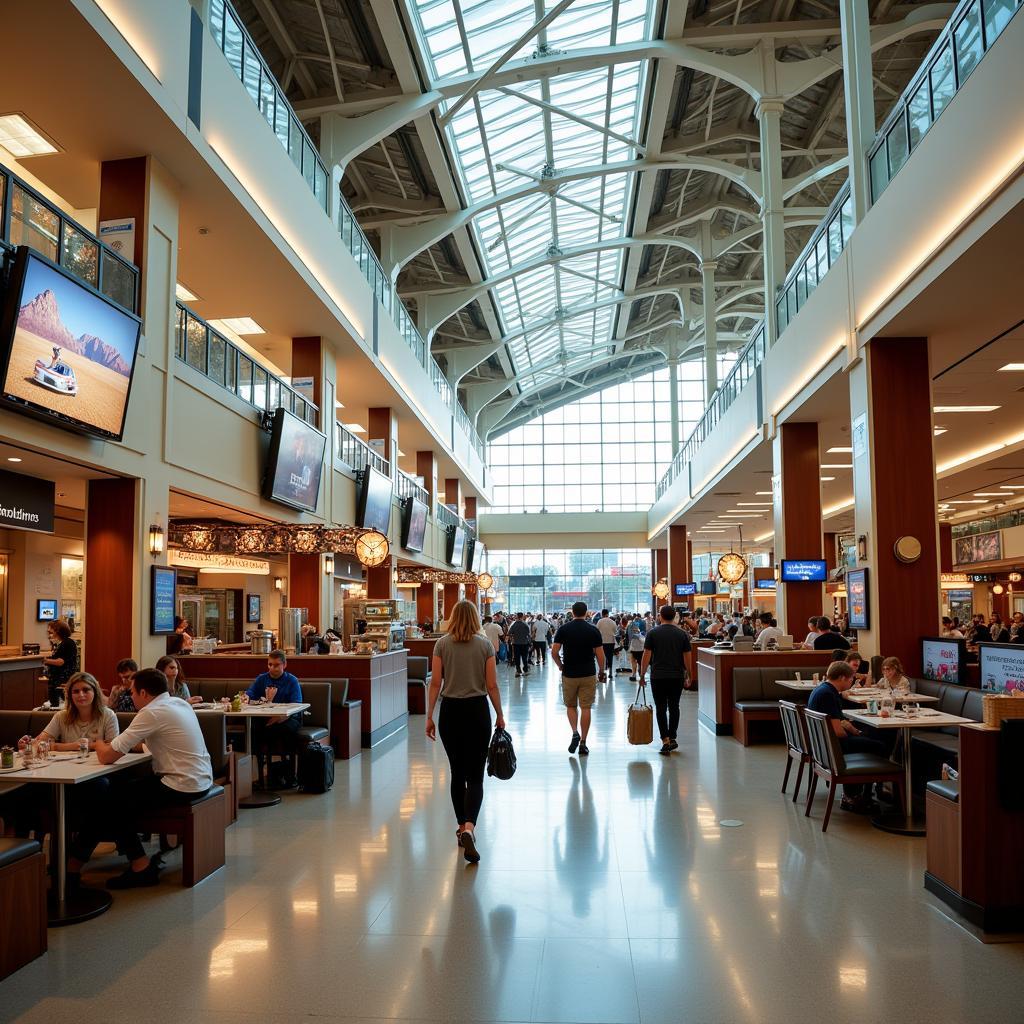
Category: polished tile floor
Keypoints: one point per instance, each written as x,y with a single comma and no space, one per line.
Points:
608,891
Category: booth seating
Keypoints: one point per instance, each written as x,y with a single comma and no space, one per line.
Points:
932,747
418,670
756,696
346,723
199,826
22,904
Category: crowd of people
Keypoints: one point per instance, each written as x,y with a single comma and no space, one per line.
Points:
982,630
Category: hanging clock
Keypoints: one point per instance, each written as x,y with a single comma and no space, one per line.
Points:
732,567
372,549
485,581
661,590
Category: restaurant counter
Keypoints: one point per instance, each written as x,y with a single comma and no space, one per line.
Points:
20,685
714,678
421,646
378,680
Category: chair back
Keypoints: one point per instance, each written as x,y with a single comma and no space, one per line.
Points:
825,751
790,715
317,694
215,735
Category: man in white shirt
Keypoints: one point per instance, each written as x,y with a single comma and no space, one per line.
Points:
812,625
608,629
769,631
540,638
182,772
493,632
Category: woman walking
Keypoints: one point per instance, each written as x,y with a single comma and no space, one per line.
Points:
464,673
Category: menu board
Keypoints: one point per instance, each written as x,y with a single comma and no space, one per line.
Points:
1002,667
163,589
943,659
857,598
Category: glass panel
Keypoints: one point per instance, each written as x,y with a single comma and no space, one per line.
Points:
835,240
231,359
179,334
920,113
195,354
821,252
81,255
118,281
259,388
967,36
295,142
943,80
781,315
251,72
33,224
273,393
791,303
244,387
281,121
268,97
879,172
3,206
308,162
846,216
217,21
997,16
218,349
233,43
897,142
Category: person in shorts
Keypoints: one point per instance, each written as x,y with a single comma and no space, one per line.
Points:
609,630
578,652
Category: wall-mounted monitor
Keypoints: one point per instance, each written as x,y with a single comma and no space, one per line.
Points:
456,548
709,586
766,584
414,524
46,610
294,463
803,570
67,353
857,603
942,659
979,547
470,552
685,589
373,508
1001,667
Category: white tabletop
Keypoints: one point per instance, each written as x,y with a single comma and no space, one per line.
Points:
65,767
797,684
253,710
862,696
926,719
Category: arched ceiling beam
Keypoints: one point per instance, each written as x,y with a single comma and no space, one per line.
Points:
793,186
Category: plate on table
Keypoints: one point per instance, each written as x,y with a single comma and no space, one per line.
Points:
16,768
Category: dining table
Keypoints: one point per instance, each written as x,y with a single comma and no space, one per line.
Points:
248,712
61,770
866,694
907,823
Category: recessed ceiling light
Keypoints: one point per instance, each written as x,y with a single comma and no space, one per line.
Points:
1011,368
338,405
183,294
939,430
826,479
239,324
354,428
966,408
13,458
991,494
765,493
839,451
836,465
21,138
967,501
744,504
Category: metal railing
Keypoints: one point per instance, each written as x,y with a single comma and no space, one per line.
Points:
968,36
446,517
248,64
362,252
30,219
407,487
358,454
203,348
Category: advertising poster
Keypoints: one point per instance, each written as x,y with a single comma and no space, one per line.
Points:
857,598
941,660
979,547
163,586
1002,668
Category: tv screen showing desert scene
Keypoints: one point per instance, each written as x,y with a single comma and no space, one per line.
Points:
72,352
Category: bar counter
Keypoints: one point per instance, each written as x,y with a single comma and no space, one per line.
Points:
380,681
422,646
714,678
20,685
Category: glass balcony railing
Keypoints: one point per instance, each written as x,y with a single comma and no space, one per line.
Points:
358,454
446,517
970,33
27,218
198,345
409,488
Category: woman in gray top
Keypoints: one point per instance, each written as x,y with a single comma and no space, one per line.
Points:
463,671
85,714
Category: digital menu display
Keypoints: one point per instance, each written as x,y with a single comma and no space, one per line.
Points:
295,463
769,584
857,598
69,352
803,570
46,610
1002,667
943,659
685,589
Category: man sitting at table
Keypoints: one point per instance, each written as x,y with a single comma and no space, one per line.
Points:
825,697
826,638
181,773
278,686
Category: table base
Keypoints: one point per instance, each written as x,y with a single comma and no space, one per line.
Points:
259,799
899,824
79,905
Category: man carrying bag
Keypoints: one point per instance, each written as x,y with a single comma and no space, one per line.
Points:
640,719
665,650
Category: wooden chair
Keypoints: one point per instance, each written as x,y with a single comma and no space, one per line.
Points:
829,763
797,747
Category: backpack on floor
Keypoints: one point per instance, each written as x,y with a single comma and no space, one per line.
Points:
316,768
640,719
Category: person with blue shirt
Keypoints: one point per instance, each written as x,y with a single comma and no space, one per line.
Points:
278,686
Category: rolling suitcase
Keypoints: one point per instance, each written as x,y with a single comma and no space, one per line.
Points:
640,719
316,768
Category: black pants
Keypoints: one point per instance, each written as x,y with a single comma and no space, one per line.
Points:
860,745
521,654
465,728
540,648
127,802
609,657
666,694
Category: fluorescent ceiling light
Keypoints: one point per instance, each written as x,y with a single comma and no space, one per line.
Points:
182,294
239,324
765,493
832,510
968,501
966,408
1011,368
745,504
764,537
939,430
354,428
21,138
836,465
740,515
992,494
839,451
826,479
1012,487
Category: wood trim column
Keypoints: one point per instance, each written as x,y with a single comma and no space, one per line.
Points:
426,467
945,547
379,585
123,194
426,603
453,495
308,361
451,598
679,570
305,585
797,488
383,423
111,565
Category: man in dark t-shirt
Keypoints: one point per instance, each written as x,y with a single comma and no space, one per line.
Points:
522,641
665,650
828,639
826,697
579,654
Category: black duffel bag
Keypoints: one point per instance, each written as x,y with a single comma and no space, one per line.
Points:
501,758
316,768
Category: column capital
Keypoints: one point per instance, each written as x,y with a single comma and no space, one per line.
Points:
709,266
769,105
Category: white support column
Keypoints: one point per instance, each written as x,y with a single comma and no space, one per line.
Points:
707,275
673,397
855,31
769,117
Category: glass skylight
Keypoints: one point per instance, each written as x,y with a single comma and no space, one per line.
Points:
509,137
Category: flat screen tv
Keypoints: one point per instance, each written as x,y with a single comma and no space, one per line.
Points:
470,553
1001,667
766,584
456,551
685,589
803,570
373,511
295,462
709,586
46,610
479,556
943,660
857,602
414,524
67,353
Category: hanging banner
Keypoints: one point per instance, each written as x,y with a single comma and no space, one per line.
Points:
120,236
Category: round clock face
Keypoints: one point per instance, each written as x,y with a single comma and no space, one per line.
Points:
485,581
372,549
731,567
661,591
907,549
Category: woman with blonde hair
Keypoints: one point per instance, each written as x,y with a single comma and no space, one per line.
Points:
892,672
464,673
85,715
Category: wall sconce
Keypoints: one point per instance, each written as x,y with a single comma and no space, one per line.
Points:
329,564
278,583
997,589
1015,577
156,540
862,548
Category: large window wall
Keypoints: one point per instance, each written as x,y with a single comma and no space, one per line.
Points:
603,453
551,580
